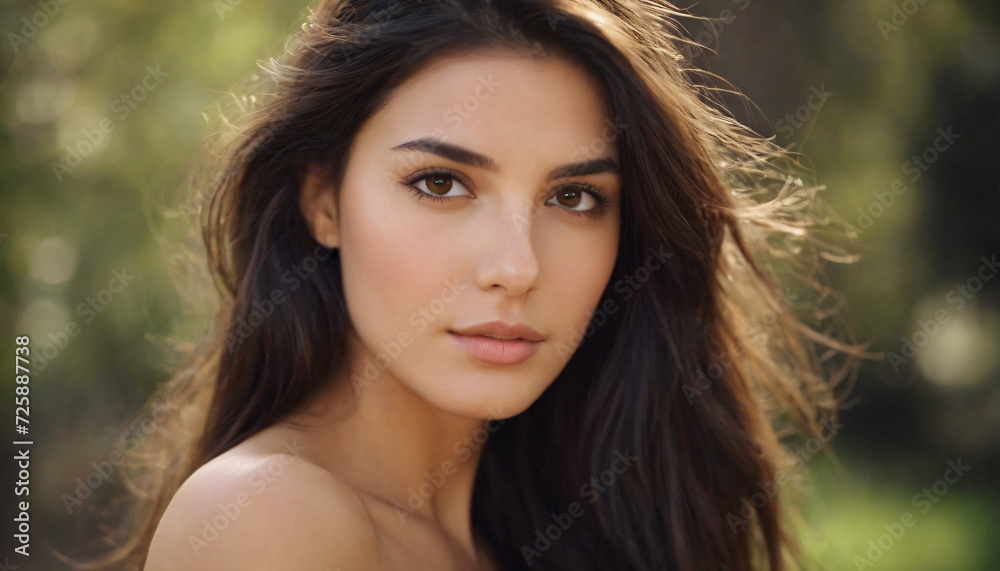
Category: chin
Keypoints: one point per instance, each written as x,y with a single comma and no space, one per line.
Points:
485,394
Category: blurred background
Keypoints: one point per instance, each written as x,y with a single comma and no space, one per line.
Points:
893,103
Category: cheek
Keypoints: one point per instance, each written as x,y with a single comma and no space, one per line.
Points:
390,268
579,275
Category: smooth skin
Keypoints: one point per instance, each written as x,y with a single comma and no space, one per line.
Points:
377,473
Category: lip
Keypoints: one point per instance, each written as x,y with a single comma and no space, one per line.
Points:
502,328
524,343
497,351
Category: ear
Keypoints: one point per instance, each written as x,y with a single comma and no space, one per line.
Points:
317,201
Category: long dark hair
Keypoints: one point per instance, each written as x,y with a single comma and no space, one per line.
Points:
681,393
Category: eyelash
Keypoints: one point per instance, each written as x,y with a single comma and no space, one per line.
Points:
602,200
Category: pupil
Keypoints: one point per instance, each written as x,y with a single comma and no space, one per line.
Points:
440,185
574,197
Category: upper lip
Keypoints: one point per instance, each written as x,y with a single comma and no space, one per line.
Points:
502,329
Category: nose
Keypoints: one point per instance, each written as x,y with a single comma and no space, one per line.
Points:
508,257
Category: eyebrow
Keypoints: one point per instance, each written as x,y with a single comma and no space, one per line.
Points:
465,156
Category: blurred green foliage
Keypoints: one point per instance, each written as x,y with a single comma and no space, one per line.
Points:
894,73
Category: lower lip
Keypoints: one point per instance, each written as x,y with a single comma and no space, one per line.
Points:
497,351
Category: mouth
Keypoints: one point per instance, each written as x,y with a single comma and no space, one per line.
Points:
495,348
501,337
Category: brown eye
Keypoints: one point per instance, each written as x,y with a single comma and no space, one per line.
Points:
439,184
569,197
579,199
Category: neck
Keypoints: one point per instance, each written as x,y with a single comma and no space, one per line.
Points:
391,444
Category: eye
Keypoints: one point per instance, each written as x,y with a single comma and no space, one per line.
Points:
436,184
580,199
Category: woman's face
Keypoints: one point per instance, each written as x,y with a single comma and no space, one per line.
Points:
494,222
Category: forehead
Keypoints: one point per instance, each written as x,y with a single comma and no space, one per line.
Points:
499,101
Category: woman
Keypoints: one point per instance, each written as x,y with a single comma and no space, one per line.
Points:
498,291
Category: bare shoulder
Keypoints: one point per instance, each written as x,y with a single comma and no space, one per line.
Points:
263,505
